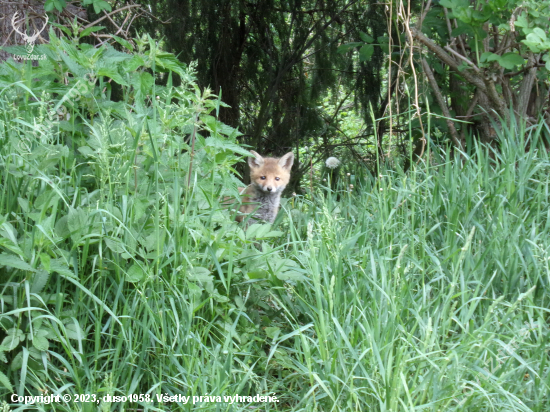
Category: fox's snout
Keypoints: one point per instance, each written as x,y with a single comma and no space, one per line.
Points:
268,187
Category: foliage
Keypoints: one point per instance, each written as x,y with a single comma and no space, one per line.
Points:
491,57
103,206
59,5
120,274
275,62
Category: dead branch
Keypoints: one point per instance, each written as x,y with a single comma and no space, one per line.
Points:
441,101
442,55
110,14
455,53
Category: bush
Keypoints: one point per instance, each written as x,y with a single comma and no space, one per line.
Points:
110,225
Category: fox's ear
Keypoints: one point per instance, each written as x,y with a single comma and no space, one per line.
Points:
287,161
256,161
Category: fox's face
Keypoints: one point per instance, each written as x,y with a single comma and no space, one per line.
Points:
270,174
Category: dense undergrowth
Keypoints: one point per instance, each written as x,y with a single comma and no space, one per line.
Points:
120,274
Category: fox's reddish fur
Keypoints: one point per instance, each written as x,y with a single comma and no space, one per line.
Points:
268,178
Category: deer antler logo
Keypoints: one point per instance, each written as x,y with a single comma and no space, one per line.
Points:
29,40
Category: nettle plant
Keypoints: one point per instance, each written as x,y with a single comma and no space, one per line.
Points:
109,177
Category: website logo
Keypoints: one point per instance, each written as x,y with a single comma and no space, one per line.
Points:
29,40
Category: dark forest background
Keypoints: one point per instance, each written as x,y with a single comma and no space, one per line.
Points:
336,77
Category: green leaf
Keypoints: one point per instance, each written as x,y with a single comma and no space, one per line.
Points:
539,32
510,60
258,274
13,261
384,42
6,382
489,57
89,30
291,275
74,67
62,228
258,230
200,273
11,341
462,29
135,274
39,281
124,43
41,332
64,29
536,40
365,52
146,82
40,343
522,21
100,5
45,260
169,61
17,362
447,3
59,266
73,330
272,332
344,48
57,4
115,245
76,221
365,37
24,204
113,74
221,144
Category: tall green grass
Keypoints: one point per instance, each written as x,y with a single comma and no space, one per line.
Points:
411,292
429,291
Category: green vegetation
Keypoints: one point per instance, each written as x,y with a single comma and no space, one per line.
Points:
275,62
120,274
489,57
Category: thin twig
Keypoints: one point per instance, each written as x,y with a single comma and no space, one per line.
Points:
441,101
110,14
424,13
449,28
460,56
414,75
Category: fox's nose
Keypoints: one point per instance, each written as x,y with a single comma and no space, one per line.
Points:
269,189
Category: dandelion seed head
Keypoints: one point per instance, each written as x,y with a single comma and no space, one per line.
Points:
332,162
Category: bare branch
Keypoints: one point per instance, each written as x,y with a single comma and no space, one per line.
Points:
111,13
424,13
441,101
442,55
450,50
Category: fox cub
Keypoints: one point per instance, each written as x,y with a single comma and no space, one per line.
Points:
268,178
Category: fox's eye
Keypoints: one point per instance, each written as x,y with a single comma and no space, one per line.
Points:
277,178
263,177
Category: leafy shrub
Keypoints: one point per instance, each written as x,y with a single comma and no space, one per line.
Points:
110,200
